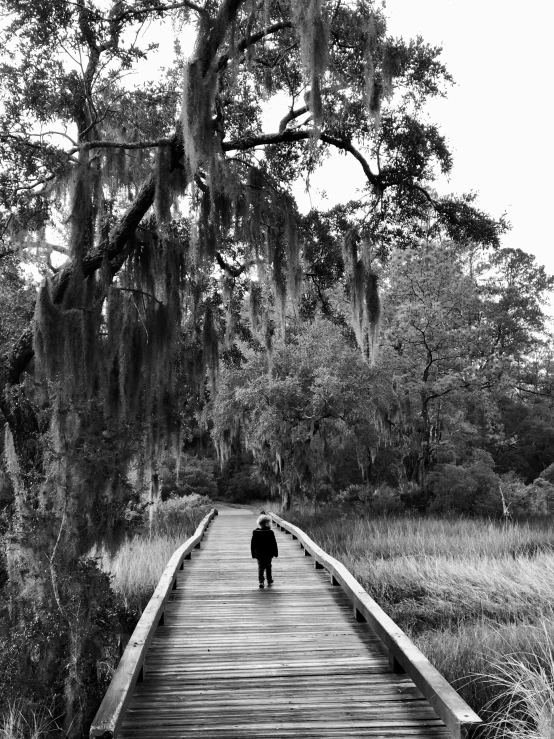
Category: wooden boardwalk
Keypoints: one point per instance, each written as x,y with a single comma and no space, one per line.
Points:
233,661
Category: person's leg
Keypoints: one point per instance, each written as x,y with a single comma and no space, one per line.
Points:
269,574
261,567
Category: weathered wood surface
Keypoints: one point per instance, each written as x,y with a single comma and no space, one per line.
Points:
403,654
291,660
132,664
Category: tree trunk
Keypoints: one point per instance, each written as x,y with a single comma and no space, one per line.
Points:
153,494
65,598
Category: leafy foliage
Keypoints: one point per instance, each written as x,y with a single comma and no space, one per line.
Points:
172,201
310,419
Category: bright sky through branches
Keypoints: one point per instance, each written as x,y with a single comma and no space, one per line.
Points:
497,117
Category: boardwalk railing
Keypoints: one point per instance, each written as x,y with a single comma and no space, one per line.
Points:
404,656
132,666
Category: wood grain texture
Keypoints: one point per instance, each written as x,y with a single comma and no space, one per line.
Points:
131,667
290,660
403,654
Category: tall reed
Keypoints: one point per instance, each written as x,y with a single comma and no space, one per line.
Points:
140,560
476,596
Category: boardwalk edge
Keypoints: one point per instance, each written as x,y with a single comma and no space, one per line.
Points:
131,667
459,718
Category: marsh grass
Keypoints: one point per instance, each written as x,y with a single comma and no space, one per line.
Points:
477,597
435,573
498,668
19,721
140,560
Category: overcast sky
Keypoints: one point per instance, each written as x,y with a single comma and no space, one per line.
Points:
498,116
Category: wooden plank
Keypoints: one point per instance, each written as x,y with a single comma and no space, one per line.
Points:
110,714
286,661
461,720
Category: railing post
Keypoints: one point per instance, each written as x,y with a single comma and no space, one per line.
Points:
395,665
132,666
462,722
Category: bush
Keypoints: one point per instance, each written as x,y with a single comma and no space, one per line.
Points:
471,489
377,500
244,486
523,500
196,477
548,474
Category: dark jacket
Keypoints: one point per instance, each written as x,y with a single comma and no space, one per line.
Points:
264,544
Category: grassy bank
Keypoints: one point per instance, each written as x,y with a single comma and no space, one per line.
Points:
138,563
477,597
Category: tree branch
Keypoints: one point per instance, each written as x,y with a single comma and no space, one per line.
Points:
288,136
138,292
290,116
115,250
251,40
153,143
158,9
233,271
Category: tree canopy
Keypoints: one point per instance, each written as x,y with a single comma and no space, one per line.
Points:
168,198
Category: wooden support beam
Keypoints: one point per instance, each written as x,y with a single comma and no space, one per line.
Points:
395,665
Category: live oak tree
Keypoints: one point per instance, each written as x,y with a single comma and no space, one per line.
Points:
312,420
177,203
461,370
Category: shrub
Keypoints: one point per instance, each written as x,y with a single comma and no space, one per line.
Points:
196,476
523,500
370,499
542,492
469,489
244,486
548,474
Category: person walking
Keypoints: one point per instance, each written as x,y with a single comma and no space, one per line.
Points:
264,548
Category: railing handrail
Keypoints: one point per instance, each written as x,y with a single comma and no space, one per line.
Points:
459,718
112,709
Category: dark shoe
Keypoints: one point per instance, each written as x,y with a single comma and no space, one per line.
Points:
261,585
270,582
